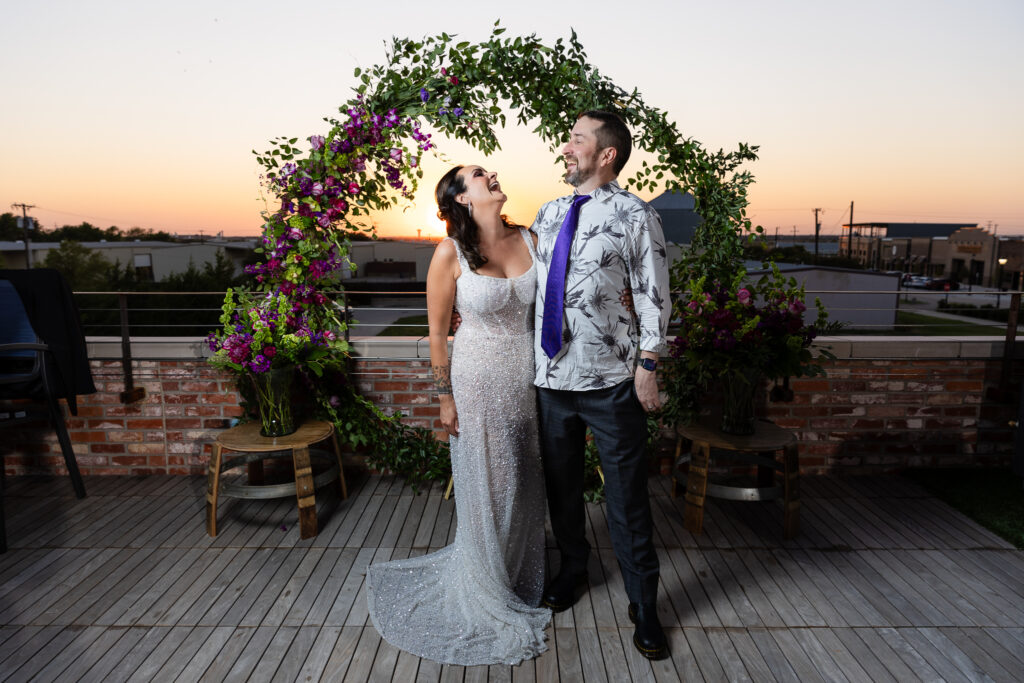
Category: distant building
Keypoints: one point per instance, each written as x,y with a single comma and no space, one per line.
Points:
153,261
678,218
962,251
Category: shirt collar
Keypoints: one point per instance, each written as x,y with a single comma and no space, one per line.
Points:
602,193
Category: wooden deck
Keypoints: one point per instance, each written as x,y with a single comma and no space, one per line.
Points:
884,584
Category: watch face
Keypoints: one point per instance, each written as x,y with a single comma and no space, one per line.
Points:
649,364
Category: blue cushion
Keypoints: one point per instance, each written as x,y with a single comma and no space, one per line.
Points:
15,328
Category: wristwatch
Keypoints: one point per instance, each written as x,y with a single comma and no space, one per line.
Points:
649,364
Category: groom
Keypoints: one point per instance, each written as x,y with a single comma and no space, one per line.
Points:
594,245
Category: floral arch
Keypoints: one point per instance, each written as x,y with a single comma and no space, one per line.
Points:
322,186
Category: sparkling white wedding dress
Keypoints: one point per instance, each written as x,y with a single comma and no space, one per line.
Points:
474,602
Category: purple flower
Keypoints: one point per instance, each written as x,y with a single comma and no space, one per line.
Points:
334,401
288,169
424,95
324,221
396,154
457,112
442,111
317,142
796,307
317,189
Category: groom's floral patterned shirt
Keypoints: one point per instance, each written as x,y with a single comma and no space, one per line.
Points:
618,245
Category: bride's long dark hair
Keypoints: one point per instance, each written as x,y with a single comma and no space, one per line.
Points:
460,224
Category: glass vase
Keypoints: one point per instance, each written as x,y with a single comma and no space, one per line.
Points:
273,390
739,390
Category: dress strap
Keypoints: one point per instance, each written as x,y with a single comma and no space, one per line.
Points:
463,263
528,236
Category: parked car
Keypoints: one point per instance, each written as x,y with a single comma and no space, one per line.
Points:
940,283
917,281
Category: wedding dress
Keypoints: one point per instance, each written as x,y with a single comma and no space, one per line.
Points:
474,602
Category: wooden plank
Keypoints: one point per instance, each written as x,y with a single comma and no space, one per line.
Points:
362,659
776,660
591,659
359,614
703,612
425,528
294,657
443,524
795,656
430,672
729,657
407,532
341,568
406,667
319,654
615,663
28,565
150,594
182,655
248,658
338,614
985,656
725,614
95,594
173,605
315,585
989,598
756,668
570,668
216,645
675,598
475,674
74,668
27,660
110,659
845,597
279,609
146,658
1006,569
871,655
944,657
930,602
920,664
891,588
732,586
704,654
822,659
28,606
342,653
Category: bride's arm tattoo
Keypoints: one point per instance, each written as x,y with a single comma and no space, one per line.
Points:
443,379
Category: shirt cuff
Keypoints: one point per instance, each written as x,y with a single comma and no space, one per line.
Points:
653,343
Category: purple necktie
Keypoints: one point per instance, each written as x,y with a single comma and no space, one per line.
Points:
554,292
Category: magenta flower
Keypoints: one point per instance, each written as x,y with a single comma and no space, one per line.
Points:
353,187
317,189
743,296
396,154
317,142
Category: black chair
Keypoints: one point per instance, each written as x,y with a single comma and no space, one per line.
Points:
30,370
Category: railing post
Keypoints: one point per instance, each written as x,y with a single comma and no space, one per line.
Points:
344,305
1011,337
131,394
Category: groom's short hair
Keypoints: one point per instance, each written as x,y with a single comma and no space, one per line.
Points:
612,133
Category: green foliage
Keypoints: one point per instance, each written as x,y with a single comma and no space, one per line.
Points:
369,160
83,268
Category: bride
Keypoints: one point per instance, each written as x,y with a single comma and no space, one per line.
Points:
475,601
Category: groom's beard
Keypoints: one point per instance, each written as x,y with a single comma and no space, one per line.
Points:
581,174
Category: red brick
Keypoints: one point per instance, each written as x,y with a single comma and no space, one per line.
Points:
147,448
88,436
186,423
412,399
145,423
218,398
107,448
129,460
390,386
202,387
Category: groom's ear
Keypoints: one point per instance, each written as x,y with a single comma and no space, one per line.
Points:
607,156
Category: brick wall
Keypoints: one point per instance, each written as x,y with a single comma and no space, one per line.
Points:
869,414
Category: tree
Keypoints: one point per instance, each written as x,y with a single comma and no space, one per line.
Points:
83,268
9,230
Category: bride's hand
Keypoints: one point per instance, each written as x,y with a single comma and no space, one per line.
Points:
449,416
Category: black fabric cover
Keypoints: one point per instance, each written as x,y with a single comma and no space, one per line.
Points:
51,309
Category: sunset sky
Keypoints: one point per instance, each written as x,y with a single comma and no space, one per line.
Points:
145,114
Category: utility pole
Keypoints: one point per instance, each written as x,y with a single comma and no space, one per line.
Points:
776,237
26,224
817,229
849,243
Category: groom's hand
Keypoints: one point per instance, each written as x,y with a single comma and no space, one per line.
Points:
645,383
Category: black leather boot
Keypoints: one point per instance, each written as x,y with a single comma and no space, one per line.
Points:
563,591
648,637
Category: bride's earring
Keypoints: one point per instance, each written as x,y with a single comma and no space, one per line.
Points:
469,207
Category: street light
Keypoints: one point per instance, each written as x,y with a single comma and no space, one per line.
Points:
999,281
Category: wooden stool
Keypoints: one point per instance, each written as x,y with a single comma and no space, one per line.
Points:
758,449
246,439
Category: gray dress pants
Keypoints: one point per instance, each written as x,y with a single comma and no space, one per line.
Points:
619,425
